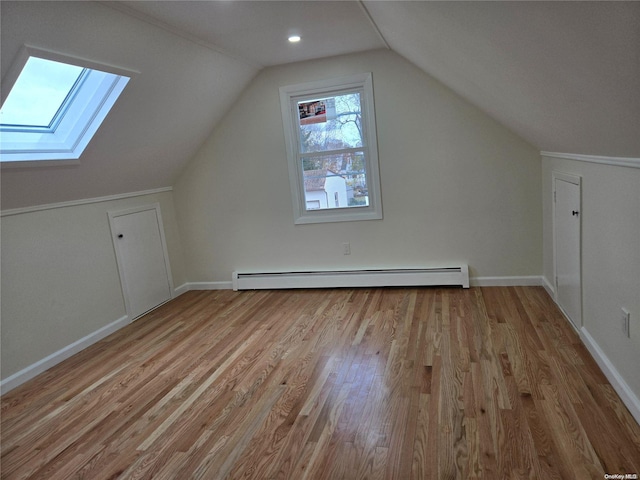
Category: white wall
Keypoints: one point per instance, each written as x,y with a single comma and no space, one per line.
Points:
610,256
456,185
164,114
59,276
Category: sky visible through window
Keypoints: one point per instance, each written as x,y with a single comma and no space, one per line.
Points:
39,92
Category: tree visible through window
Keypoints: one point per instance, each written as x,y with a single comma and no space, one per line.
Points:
332,150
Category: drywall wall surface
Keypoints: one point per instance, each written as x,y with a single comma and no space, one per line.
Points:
60,279
177,93
610,256
457,187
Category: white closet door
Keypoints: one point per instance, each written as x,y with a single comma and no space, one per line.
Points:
142,259
567,247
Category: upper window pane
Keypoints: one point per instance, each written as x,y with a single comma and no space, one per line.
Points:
39,93
330,123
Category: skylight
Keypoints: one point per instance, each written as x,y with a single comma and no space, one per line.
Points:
33,102
54,108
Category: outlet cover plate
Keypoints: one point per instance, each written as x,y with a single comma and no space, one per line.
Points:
626,322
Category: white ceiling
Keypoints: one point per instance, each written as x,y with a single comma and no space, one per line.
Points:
257,30
162,118
565,76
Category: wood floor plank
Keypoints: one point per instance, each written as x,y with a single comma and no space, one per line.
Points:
398,383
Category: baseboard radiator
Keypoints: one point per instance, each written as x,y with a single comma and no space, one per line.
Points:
406,277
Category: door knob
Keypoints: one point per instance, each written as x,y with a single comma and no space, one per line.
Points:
120,236
575,213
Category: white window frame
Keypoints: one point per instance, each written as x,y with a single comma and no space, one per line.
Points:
289,98
64,143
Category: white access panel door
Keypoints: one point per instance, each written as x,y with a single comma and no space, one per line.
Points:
142,258
567,217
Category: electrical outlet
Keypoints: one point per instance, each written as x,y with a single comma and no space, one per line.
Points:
626,320
346,248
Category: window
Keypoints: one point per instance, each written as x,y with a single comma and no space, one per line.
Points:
313,204
54,107
332,150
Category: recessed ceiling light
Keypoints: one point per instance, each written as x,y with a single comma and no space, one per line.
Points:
294,38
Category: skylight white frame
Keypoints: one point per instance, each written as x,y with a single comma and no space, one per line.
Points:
21,147
289,97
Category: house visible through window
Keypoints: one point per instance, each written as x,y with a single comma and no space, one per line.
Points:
332,150
54,108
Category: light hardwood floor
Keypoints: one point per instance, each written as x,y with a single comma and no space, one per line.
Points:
396,383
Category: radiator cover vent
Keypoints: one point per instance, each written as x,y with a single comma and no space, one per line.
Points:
404,277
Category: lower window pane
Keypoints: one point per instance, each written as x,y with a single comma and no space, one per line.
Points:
335,181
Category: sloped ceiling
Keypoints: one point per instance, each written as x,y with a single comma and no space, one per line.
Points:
163,116
257,30
563,75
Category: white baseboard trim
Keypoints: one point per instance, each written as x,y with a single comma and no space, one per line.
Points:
530,281
617,381
184,288
549,287
210,285
55,358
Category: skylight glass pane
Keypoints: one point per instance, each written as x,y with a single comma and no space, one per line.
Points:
39,92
